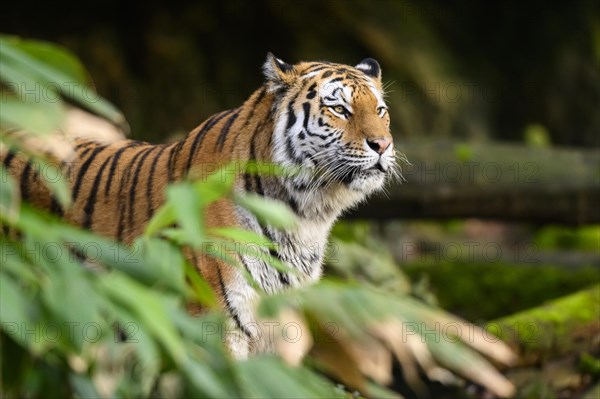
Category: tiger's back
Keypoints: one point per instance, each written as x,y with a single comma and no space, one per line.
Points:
117,186
328,119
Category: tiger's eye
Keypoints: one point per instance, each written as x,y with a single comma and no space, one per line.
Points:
340,109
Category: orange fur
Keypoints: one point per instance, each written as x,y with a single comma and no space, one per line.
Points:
117,187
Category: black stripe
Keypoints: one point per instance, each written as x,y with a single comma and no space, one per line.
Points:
173,156
84,167
246,266
83,144
290,122
175,148
311,92
335,80
312,134
318,66
293,204
261,94
283,277
258,183
150,187
247,182
23,186
125,179
257,177
327,74
252,156
225,129
289,147
291,116
8,160
306,109
257,100
327,144
88,210
300,186
111,173
84,153
133,185
230,308
55,207
200,136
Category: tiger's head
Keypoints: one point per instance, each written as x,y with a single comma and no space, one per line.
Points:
332,120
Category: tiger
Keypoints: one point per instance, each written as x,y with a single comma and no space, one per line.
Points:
327,120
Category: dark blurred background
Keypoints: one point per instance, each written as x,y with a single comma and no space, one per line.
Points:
462,69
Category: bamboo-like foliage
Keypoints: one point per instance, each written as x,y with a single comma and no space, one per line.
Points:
83,316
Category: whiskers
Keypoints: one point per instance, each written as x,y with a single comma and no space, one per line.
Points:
326,169
386,88
396,168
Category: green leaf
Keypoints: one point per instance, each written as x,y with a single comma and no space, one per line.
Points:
469,364
207,381
21,55
49,172
215,186
164,260
242,236
178,236
59,186
164,217
274,213
14,305
57,57
202,290
9,199
253,245
14,265
268,377
40,116
136,334
67,293
187,211
128,259
147,307
83,386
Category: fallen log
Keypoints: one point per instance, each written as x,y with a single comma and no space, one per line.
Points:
506,182
567,325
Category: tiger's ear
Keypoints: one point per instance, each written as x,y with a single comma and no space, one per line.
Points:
370,67
278,73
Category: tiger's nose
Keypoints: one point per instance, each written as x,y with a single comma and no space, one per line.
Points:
379,145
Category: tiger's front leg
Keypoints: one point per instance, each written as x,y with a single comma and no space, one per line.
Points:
243,334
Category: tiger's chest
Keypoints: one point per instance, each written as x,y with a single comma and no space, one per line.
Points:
302,249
